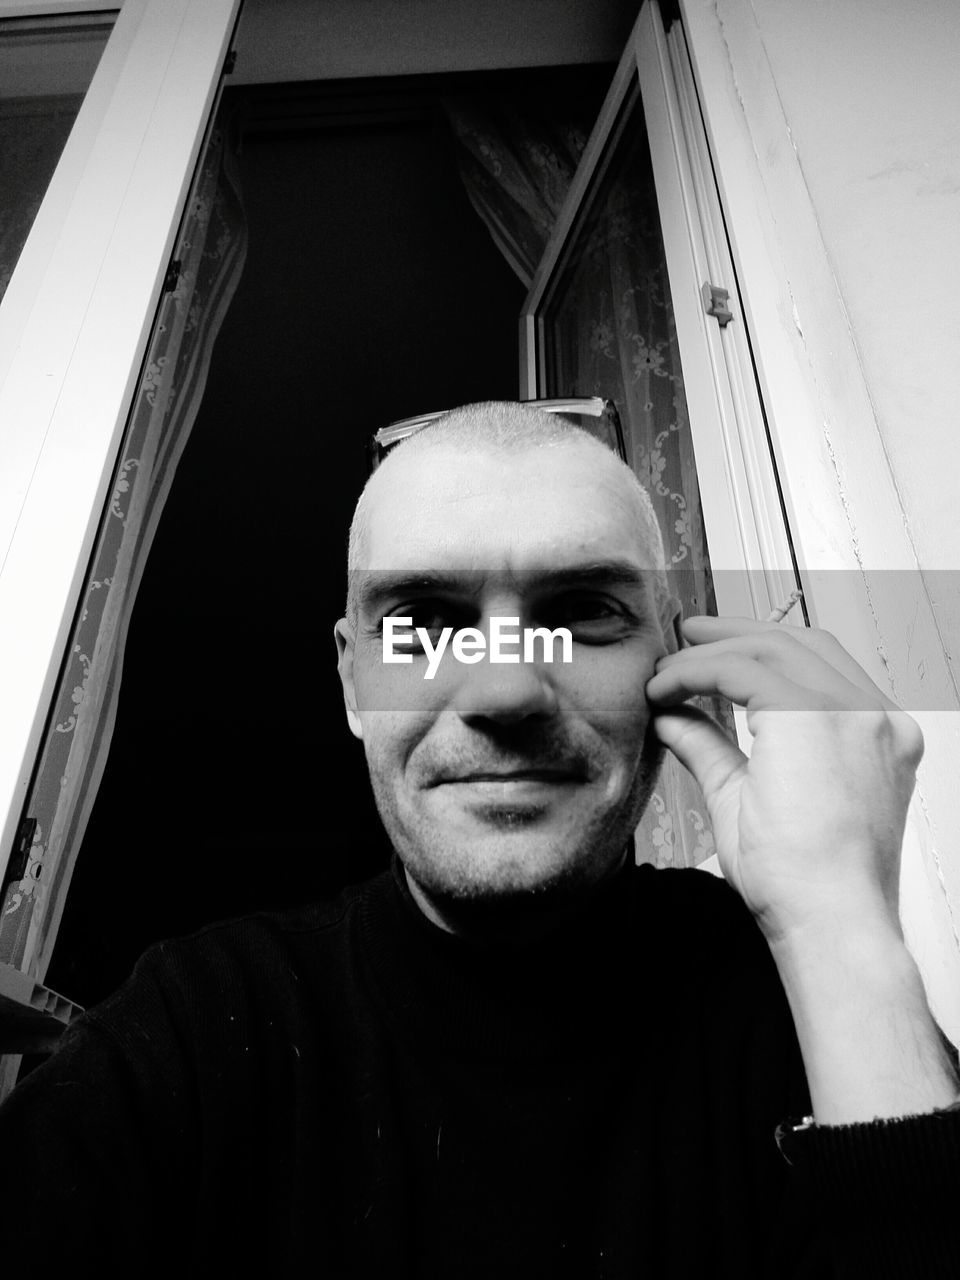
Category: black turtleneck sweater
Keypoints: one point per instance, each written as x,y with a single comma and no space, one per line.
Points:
348,1091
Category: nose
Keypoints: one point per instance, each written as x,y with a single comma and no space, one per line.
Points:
504,693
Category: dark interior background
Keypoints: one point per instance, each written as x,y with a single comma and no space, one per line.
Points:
371,291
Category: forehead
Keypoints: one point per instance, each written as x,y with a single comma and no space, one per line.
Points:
540,508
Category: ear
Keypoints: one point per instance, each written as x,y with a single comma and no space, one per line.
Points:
345,637
671,615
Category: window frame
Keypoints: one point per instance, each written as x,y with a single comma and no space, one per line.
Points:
56,8
74,324
750,548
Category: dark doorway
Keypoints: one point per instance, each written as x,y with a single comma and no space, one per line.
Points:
371,291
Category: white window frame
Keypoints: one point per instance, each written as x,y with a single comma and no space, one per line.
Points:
74,324
56,8
749,547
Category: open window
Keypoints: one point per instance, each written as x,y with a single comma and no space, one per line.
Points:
641,241
75,320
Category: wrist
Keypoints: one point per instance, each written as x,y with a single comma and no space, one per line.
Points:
842,969
843,922
870,1046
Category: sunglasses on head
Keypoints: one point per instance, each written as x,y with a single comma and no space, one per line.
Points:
599,417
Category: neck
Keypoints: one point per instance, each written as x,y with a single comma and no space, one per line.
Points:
510,920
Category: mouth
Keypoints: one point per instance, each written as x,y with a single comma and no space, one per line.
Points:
509,797
512,782
548,774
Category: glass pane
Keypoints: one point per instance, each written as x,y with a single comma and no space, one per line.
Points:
46,65
607,329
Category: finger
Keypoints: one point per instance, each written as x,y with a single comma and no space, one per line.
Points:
737,676
803,665
701,746
704,629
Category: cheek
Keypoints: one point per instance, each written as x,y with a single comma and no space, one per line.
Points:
397,710
608,684
388,688
387,747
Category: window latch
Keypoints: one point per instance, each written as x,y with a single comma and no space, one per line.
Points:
715,303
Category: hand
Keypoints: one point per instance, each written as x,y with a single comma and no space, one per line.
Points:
809,827
808,830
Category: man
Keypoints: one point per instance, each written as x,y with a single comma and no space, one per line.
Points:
516,1054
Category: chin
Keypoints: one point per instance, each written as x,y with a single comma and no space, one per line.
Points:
509,868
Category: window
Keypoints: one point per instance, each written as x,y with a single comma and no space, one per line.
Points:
74,323
663,144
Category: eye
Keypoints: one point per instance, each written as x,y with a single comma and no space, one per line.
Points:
585,608
431,615
589,616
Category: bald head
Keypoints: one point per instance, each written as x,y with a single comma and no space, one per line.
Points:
501,430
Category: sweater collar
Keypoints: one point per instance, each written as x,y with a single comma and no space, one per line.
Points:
572,992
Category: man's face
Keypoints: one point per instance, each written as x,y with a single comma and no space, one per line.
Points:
499,779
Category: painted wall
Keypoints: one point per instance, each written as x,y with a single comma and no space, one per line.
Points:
872,98
303,40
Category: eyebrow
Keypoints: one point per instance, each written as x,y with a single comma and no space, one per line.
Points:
382,584
599,573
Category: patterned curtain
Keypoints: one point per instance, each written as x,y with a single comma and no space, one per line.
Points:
609,331
211,251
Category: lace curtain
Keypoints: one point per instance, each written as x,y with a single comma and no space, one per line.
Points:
516,167
211,250
609,331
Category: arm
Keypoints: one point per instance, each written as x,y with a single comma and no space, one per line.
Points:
95,1140
808,831
871,1049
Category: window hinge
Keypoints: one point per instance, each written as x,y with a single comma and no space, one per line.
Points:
172,278
715,303
230,62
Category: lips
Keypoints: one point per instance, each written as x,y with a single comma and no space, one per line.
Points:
547,774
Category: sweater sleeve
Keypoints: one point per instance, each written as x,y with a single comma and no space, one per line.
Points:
885,1193
875,1199
96,1143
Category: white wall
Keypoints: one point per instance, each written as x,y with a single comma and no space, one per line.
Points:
333,39
871,95
871,92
